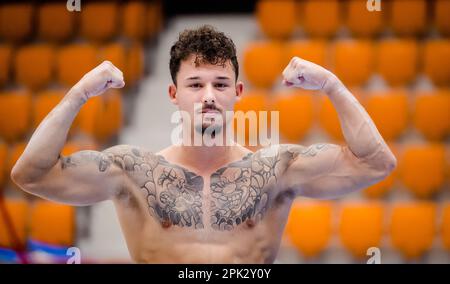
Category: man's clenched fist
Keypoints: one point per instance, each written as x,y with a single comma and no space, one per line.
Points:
99,79
307,75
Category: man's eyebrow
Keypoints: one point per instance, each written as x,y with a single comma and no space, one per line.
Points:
193,78
223,78
218,78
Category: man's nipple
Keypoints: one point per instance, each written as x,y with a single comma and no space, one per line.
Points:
166,223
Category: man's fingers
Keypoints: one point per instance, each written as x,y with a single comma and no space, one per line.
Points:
287,83
117,80
114,77
292,76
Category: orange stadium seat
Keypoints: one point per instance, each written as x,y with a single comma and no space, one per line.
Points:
55,22
328,117
408,17
296,113
89,116
74,61
397,60
5,63
17,212
74,146
135,59
52,223
413,240
361,226
102,117
16,20
309,227
362,22
445,229
389,111
3,161
441,12
277,19
134,20
99,20
353,61
320,18
255,100
14,154
43,103
423,169
263,63
70,148
431,114
111,121
311,50
115,53
329,120
34,65
436,61
15,109
155,18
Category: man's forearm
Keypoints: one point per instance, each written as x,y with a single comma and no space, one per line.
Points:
47,141
360,133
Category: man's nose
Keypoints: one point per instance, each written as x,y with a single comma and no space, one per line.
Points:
209,96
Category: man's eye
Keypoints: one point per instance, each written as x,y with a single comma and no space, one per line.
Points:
221,85
195,86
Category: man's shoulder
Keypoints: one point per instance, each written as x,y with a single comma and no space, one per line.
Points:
279,151
131,150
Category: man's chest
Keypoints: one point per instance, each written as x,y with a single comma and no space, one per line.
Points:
240,192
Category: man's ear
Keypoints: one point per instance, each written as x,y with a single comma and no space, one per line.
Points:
173,94
239,89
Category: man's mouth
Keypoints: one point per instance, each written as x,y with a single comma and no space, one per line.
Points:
210,110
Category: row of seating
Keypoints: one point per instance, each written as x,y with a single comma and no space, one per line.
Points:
41,221
279,19
20,113
412,228
398,61
394,112
35,66
98,21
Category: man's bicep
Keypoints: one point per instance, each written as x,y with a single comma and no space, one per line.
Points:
82,178
328,171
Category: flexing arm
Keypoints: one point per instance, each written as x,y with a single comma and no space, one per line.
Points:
327,170
83,177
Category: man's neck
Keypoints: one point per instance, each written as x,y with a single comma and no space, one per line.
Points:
204,159
204,156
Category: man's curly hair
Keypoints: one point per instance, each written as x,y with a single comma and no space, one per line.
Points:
208,45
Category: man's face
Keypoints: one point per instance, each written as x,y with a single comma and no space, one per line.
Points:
213,87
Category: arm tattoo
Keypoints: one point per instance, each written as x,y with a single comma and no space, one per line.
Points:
309,151
66,162
84,157
240,190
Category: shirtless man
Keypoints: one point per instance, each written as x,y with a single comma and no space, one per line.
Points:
201,204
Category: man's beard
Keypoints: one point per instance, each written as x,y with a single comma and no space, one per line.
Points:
211,129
